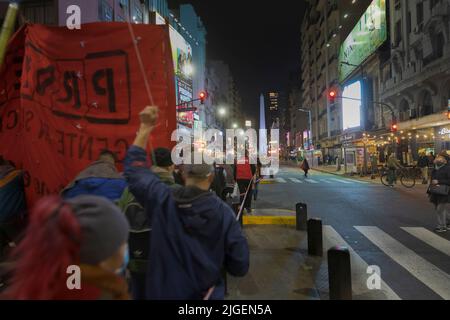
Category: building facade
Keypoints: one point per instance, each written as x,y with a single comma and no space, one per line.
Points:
416,80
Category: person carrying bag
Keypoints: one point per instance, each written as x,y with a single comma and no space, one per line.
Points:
438,192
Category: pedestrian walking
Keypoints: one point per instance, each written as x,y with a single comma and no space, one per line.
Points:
305,167
84,237
101,178
439,193
244,173
195,234
424,164
140,224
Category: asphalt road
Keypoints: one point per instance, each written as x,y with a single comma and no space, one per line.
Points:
388,228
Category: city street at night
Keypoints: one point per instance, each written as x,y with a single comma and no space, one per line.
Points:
389,228
225,159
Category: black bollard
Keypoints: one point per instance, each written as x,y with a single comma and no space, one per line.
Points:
339,273
301,210
315,241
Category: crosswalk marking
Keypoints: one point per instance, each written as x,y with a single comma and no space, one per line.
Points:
326,181
341,181
359,266
311,181
295,180
436,279
356,181
431,239
281,180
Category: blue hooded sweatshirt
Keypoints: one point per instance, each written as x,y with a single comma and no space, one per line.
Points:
195,236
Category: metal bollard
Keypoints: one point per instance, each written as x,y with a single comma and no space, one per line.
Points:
315,240
301,210
339,273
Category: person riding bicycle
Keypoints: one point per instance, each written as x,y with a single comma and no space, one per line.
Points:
393,165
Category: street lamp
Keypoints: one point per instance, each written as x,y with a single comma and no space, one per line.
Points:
222,112
235,126
308,111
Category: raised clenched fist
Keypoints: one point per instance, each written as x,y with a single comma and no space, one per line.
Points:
149,116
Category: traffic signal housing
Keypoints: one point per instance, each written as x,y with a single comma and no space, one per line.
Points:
332,95
202,96
394,127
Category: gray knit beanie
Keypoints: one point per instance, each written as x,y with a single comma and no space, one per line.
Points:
104,228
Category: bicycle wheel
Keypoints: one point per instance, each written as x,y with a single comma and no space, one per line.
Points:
385,179
408,180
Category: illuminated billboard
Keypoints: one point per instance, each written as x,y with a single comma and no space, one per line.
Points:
351,106
182,60
366,37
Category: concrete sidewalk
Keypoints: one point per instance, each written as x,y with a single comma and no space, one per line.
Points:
281,269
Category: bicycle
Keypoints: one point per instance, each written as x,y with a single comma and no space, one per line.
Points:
407,177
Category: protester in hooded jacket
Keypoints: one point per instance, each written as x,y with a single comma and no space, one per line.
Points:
87,231
101,178
140,224
195,234
12,206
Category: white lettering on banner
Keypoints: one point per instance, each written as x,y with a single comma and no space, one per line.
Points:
74,20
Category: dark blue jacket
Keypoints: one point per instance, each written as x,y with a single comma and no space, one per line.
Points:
195,236
111,189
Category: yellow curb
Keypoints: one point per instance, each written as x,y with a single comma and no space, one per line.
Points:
267,182
269,220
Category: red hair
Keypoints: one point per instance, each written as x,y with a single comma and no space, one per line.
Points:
50,245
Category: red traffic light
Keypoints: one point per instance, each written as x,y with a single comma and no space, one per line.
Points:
202,95
332,94
394,127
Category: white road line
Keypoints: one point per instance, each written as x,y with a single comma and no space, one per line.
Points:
433,277
341,181
311,181
326,181
359,267
431,239
295,180
280,180
356,181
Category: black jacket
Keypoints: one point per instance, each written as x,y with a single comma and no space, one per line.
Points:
423,162
442,175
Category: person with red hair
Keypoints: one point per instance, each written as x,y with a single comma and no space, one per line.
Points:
88,234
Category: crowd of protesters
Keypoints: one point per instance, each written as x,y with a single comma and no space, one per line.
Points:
157,232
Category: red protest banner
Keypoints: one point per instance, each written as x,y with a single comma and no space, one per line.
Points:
69,94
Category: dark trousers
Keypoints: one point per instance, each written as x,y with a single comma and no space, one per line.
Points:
243,185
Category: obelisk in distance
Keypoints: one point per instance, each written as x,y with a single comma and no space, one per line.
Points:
262,127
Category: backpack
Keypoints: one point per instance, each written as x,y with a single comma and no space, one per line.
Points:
140,229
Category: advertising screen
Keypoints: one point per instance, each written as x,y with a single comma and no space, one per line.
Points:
182,60
368,35
351,109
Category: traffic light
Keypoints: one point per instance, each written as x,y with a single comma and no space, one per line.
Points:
203,95
332,94
394,127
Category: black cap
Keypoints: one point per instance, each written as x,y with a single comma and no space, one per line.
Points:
163,157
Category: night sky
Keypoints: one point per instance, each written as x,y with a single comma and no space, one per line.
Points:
259,39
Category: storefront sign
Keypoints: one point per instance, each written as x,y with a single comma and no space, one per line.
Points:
444,132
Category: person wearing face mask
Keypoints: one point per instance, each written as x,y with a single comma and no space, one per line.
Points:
88,232
440,177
